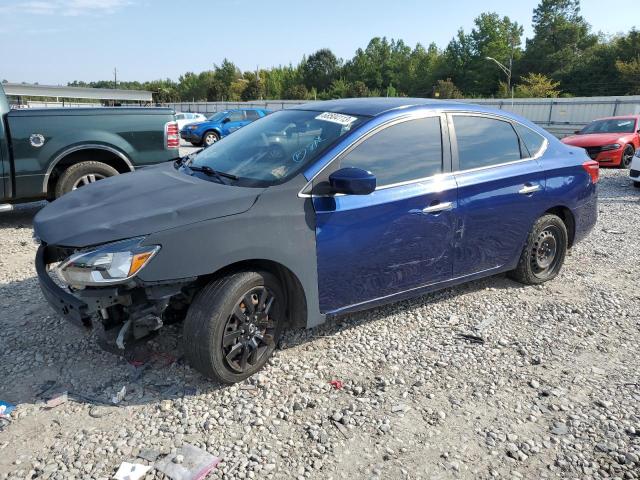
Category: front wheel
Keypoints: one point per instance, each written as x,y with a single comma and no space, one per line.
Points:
545,251
233,325
210,138
627,156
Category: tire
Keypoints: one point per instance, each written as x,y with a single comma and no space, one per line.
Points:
627,156
636,184
209,138
216,315
543,255
81,174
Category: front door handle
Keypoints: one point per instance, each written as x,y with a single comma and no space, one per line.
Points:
438,207
527,189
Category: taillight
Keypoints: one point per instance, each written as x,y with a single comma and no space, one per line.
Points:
171,135
593,169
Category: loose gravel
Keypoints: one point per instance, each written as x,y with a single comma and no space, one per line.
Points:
486,380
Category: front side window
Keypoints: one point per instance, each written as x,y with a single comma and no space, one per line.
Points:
276,148
402,152
237,116
532,140
483,142
216,117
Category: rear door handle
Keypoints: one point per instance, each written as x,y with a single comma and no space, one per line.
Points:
438,207
527,189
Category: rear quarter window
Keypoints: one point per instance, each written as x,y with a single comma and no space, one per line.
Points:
533,141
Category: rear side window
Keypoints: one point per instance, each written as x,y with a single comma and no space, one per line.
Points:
483,142
533,141
402,152
252,115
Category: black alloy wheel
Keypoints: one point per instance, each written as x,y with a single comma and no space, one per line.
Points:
233,325
249,331
627,156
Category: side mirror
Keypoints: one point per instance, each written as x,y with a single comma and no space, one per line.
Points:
226,120
352,181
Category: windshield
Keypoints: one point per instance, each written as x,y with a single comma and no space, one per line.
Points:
217,116
617,125
273,149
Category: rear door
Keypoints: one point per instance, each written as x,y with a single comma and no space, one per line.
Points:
500,191
400,236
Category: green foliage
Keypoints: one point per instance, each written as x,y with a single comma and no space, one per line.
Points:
537,85
563,57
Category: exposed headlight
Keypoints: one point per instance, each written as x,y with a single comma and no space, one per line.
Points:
611,146
110,264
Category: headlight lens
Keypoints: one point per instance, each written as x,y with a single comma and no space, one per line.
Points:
110,264
192,127
612,146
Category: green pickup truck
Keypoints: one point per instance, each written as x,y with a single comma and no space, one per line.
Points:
45,153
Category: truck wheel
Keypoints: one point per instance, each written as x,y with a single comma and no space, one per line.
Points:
543,255
81,174
233,325
210,138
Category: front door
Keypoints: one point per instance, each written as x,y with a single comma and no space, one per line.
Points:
400,236
236,121
500,191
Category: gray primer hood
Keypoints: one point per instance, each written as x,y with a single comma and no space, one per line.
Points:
135,204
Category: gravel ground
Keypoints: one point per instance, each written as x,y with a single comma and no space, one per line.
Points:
553,390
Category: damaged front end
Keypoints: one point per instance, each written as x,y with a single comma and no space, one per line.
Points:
101,284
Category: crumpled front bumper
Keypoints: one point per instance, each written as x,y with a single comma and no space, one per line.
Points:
77,309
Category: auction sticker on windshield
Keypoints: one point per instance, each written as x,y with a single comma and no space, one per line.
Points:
338,118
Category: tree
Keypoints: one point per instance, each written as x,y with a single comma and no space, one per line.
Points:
296,92
561,35
254,89
320,69
630,73
446,89
537,85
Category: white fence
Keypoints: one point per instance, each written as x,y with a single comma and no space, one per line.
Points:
561,116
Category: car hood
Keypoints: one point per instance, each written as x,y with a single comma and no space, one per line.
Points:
597,139
136,204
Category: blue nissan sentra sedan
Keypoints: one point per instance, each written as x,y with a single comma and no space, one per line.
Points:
326,208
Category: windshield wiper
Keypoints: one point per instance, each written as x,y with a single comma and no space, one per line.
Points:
212,173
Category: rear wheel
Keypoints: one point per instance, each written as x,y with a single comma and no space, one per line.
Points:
82,174
233,326
210,138
627,156
545,251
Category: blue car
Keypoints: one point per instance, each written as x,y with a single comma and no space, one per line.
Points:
220,125
315,211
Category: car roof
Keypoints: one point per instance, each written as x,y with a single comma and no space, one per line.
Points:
374,106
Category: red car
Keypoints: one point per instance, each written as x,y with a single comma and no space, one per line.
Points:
611,141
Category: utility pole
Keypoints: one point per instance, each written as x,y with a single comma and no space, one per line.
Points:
507,71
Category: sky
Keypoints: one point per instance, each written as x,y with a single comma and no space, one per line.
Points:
57,41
